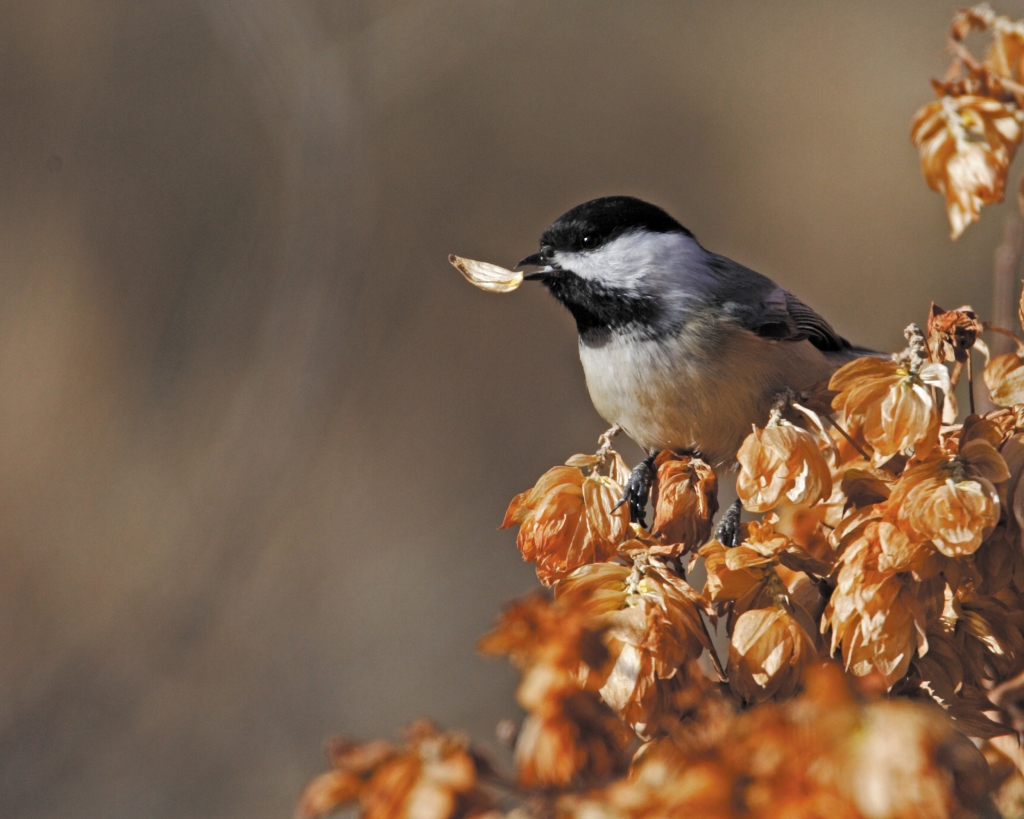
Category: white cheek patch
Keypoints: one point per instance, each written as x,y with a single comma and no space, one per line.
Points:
631,258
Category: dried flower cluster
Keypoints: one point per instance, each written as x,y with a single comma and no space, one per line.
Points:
967,138
838,660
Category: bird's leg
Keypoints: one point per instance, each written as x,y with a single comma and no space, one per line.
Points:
728,531
638,490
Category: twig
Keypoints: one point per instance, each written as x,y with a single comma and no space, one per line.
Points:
847,436
970,381
990,327
1007,263
714,654
965,56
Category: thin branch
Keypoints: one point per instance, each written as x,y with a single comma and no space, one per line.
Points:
970,381
719,670
847,436
965,56
989,326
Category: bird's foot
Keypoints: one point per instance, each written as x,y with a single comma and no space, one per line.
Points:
638,490
728,531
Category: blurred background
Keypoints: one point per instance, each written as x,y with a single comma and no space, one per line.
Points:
256,435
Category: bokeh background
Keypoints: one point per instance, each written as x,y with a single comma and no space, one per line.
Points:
256,435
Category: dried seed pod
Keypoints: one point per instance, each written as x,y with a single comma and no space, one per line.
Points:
487,276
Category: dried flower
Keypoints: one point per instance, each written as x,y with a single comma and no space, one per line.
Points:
768,652
353,764
434,776
874,614
567,520
569,734
740,575
966,145
654,626
952,333
890,406
572,738
685,502
1004,377
781,461
952,502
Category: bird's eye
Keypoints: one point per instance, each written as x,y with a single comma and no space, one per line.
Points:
590,240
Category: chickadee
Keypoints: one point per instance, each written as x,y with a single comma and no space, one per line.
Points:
682,348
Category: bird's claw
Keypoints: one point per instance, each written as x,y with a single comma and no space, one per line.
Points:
728,531
638,490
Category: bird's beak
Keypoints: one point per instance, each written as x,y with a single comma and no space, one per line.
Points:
538,259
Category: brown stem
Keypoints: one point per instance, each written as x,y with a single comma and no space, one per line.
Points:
974,66
989,326
714,654
847,436
970,381
1007,262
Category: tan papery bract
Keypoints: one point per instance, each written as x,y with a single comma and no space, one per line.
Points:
654,626
576,739
1004,377
952,502
782,462
768,652
739,575
570,734
568,520
888,408
354,764
326,793
608,526
435,779
487,276
875,615
685,502
966,145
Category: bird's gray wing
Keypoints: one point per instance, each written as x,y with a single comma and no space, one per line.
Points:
810,325
758,304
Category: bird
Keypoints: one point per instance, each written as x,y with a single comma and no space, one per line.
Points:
682,348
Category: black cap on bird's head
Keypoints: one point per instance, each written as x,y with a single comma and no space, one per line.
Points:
604,260
592,224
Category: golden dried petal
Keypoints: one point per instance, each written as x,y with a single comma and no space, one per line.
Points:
864,487
1004,377
579,739
983,460
966,144
487,276
534,630
685,501
767,654
609,526
559,530
954,515
326,793
781,462
385,794
905,421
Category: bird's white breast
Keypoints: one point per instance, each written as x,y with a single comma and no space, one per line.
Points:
700,390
